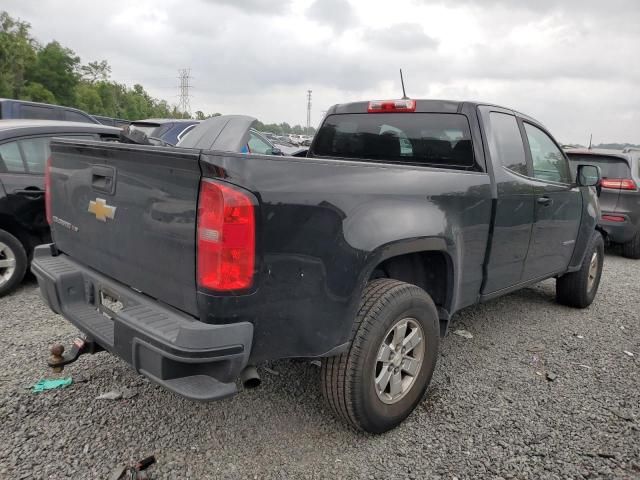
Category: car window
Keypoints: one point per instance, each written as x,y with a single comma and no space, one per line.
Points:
610,167
72,116
430,139
186,130
507,145
40,112
11,158
36,151
549,163
258,145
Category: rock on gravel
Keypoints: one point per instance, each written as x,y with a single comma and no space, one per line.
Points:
487,413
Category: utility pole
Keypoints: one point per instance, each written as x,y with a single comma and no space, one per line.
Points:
184,105
308,110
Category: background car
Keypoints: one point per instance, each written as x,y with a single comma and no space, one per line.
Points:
169,130
24,149
620,195
21,109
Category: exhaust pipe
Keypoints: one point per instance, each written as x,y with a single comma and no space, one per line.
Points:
249,377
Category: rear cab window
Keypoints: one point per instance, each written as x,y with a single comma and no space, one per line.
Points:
425,139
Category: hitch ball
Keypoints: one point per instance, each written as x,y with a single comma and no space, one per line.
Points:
56,357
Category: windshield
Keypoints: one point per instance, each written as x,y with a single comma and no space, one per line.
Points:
436,139
145,128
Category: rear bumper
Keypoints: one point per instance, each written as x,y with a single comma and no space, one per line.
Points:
619,232
196,360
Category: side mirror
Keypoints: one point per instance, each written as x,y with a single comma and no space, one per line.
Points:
588,176
276,151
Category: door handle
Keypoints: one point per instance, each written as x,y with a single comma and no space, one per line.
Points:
545,201
103,179
31,192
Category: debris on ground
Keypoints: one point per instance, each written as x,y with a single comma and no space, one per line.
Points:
316,363
128,393
52,384
81,378
463,333
112,395
134,472
627,352
271,371
551,376
536,347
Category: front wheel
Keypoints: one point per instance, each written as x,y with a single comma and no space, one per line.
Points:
578,289
378,382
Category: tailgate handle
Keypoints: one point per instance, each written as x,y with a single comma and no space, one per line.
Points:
103,179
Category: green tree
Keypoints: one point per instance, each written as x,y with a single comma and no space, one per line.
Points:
55,69
88,99
94,72
36,92
17,54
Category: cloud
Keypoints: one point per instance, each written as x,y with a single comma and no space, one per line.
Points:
569,64
402,36
255,6
338,14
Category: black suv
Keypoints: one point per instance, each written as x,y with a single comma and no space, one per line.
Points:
24,149
620,195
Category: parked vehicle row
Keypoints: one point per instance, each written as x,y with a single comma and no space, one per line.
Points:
194,264
24,150
620,195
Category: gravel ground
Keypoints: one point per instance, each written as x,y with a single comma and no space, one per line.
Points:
491,411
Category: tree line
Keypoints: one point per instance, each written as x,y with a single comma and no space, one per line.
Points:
53,73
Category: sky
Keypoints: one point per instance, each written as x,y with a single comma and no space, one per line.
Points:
571,64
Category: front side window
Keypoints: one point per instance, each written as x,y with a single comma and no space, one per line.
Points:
257,145
36,151
430,139
10,158
507,143
549,164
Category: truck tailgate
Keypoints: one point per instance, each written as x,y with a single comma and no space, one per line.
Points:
129,212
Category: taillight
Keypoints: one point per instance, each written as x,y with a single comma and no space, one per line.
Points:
614,218
47,190
226,237
392,106
618,183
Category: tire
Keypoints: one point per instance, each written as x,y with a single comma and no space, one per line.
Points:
578,289
632,249
349,380
13,262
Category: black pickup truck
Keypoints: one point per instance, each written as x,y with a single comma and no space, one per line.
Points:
194,264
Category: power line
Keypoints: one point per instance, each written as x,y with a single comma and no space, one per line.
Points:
184,104
308,109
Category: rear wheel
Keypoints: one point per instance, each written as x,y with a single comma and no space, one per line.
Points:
377,383
13,262
578,289
632,249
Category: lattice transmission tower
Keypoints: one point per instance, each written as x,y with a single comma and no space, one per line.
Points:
184,78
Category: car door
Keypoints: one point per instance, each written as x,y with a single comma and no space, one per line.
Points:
514,209
558,205
22,165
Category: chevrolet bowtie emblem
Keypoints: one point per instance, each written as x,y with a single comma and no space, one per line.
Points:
101,210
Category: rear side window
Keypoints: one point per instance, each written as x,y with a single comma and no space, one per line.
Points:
610,167
10,158
72,116
507,143
430,139
38,112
